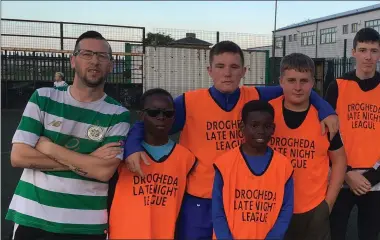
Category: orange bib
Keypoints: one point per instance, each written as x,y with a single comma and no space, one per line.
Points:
252,203
307,150
147,208
359,115
210,131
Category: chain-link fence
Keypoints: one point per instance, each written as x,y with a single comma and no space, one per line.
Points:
177,59
18,33
183,69
174,59
32,51
23,71
244,40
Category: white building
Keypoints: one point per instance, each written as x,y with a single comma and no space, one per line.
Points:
325,37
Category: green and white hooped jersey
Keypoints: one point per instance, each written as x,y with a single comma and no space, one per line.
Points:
64,202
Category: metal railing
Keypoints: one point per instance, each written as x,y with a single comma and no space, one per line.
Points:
24,70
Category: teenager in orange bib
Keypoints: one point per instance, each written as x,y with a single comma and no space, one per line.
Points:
209,123
148,208
356,98
298,137
252,196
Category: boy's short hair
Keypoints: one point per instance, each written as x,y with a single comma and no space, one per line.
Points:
223,47
297,61
154,91
366,35
256,106
60,74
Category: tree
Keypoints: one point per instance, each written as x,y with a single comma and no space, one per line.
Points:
158,39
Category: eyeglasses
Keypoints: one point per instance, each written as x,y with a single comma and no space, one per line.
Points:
156,112
88,55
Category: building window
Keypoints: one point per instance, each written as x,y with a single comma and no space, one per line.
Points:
328,35
294,37
290,38
375,24
308,38
354,27
279,42
345,29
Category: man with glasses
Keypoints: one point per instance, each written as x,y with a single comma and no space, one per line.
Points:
68,142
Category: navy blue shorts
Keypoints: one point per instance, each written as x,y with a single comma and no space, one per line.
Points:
195,220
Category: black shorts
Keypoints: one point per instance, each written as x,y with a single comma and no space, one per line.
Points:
311,225
28,233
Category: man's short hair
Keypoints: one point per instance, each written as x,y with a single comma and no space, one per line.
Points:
152,92
223,47
297,61
91,35
366,35
256,106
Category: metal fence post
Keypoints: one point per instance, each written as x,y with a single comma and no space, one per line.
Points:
267,71
8,65
143,40
344,56
62,47
142,58
35,69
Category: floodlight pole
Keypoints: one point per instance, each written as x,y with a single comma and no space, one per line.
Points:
274,30
274,43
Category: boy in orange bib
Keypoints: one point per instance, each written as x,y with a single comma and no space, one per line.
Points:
148,207
252,196
208,121
355,96
297,137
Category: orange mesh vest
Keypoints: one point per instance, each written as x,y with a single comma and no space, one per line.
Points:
251,202
208,132
359,115
147,208
307,151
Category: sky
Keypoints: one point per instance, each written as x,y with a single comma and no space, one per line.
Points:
254,17
227,16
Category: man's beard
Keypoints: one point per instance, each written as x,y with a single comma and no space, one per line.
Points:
91,84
